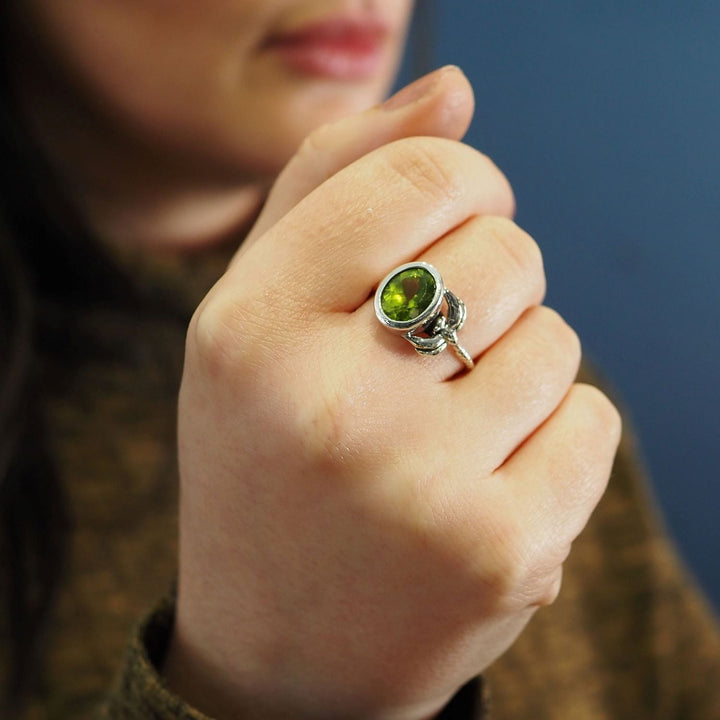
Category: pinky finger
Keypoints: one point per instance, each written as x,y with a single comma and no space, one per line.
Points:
558,475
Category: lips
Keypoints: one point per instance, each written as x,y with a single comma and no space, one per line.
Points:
339,49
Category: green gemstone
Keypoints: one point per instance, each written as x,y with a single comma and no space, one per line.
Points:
408,294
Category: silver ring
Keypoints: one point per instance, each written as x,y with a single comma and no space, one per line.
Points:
410,299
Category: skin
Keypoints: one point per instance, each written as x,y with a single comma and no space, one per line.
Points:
362,529
168,117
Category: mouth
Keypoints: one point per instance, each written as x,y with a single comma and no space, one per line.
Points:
339,49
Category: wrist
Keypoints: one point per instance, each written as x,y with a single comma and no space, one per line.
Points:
223,692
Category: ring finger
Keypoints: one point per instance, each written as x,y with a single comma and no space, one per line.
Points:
490,264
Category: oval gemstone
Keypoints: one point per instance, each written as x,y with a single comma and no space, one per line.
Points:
408,294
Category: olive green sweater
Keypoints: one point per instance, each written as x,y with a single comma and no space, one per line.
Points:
629,636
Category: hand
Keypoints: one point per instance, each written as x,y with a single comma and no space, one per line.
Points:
364,529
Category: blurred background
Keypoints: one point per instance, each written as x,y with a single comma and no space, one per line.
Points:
606,118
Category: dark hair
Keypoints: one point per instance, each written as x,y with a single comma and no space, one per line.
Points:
40,284
33,519
32,512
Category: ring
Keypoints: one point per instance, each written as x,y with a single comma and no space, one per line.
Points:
410,299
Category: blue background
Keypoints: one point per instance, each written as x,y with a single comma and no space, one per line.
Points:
606,118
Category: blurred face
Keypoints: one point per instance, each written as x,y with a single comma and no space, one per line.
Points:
228,85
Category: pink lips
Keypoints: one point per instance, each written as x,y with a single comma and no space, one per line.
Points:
336,49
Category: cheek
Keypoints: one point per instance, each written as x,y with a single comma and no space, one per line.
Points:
156,69
186,79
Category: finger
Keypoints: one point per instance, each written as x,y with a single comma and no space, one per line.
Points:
382,210
517,384
439,104
523,518
557,477
494,267
488,413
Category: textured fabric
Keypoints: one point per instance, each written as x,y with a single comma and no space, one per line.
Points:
629,637
140,692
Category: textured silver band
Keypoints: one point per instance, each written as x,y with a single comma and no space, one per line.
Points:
442,331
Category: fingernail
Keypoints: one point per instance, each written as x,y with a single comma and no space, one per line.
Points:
415,90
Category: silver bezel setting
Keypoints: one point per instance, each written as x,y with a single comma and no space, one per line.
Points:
437,330
430,312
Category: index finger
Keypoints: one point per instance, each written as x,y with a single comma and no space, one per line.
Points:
379,212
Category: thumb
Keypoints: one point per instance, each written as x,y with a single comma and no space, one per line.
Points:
439,104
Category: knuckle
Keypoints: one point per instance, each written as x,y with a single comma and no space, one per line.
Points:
503,197
209,337
316,142
425,165
529,573
506,563
555,335
521,561
599,412
331,442
549,591
511,563
519,250
221,340
580,476
337,439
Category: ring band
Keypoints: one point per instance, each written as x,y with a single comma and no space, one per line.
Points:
410,299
